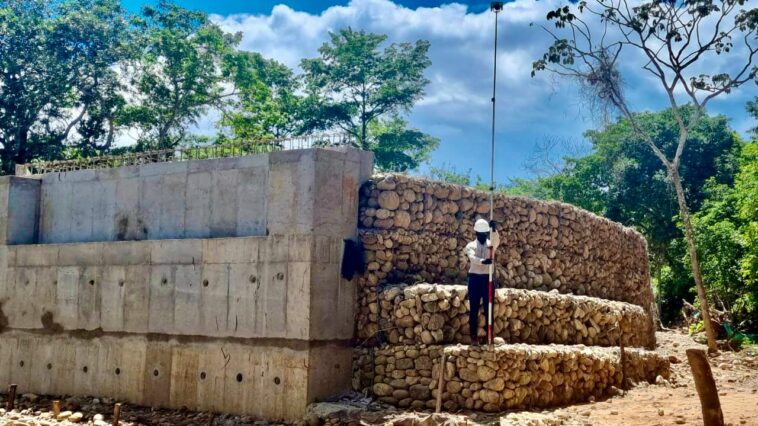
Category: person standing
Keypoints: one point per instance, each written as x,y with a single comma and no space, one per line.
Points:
478,275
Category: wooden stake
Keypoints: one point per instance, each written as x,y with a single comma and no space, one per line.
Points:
116,413
706,388
441,383
11,404
56,409
623,366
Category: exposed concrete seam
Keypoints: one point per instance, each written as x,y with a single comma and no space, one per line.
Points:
297,344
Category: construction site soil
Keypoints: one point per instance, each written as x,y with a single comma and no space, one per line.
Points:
668,402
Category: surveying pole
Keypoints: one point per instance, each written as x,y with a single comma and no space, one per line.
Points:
497,7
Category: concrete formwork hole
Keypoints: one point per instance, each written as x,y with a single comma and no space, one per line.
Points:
118,371
156,372
91,282
49,366
280,276
253,279
277,380
120,283
21,364
202,375
55,282
164,280
85,369
205,283
239,377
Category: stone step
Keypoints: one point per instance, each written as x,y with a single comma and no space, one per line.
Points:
439,314
500,377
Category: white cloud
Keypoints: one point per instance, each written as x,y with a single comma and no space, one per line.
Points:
457,103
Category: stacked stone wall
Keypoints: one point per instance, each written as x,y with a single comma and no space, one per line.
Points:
439,314
415,230
500,378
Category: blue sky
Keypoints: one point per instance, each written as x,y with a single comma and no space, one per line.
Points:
456,107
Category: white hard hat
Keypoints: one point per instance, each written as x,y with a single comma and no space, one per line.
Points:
481,225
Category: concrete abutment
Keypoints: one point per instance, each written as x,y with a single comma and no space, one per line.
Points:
215,285
207,284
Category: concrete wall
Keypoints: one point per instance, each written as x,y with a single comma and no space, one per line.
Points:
249,287
267,380
19,224
227,295
231,197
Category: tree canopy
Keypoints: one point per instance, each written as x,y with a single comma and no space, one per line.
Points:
58,80
355,82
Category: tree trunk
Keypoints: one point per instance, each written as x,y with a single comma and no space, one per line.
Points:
706,388
692,249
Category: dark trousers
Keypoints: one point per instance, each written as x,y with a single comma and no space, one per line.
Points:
478,295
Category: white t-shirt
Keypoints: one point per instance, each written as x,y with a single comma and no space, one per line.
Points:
477,252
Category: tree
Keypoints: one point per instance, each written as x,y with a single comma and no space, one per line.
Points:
752,109
673,38
353,82
58,84
178,75
266,104
396,147
727,230
448,173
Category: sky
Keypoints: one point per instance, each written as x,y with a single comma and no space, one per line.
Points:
456,107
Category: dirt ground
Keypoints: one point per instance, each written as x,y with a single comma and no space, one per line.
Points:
677,402
667,403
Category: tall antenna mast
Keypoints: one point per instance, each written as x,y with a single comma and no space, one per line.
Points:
497,7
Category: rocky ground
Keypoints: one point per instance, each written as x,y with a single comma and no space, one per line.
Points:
666,403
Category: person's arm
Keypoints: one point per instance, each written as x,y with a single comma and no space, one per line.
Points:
471,253
494,237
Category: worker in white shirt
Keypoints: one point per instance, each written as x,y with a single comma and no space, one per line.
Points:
478,275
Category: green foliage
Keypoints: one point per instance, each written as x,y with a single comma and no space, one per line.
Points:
354,81
726,230
266,104
396,147
177,74
623,180
74,74
57,77
696,327
448,173
752,109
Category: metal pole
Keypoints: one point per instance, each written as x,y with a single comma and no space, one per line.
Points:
495,7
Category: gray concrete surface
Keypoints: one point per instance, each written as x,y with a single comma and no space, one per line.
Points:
209,284
19,224
263,194
274,382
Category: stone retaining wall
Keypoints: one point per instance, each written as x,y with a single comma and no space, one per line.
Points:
505,377
430,313
414,230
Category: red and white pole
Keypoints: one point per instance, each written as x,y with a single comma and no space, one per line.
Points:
496,7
